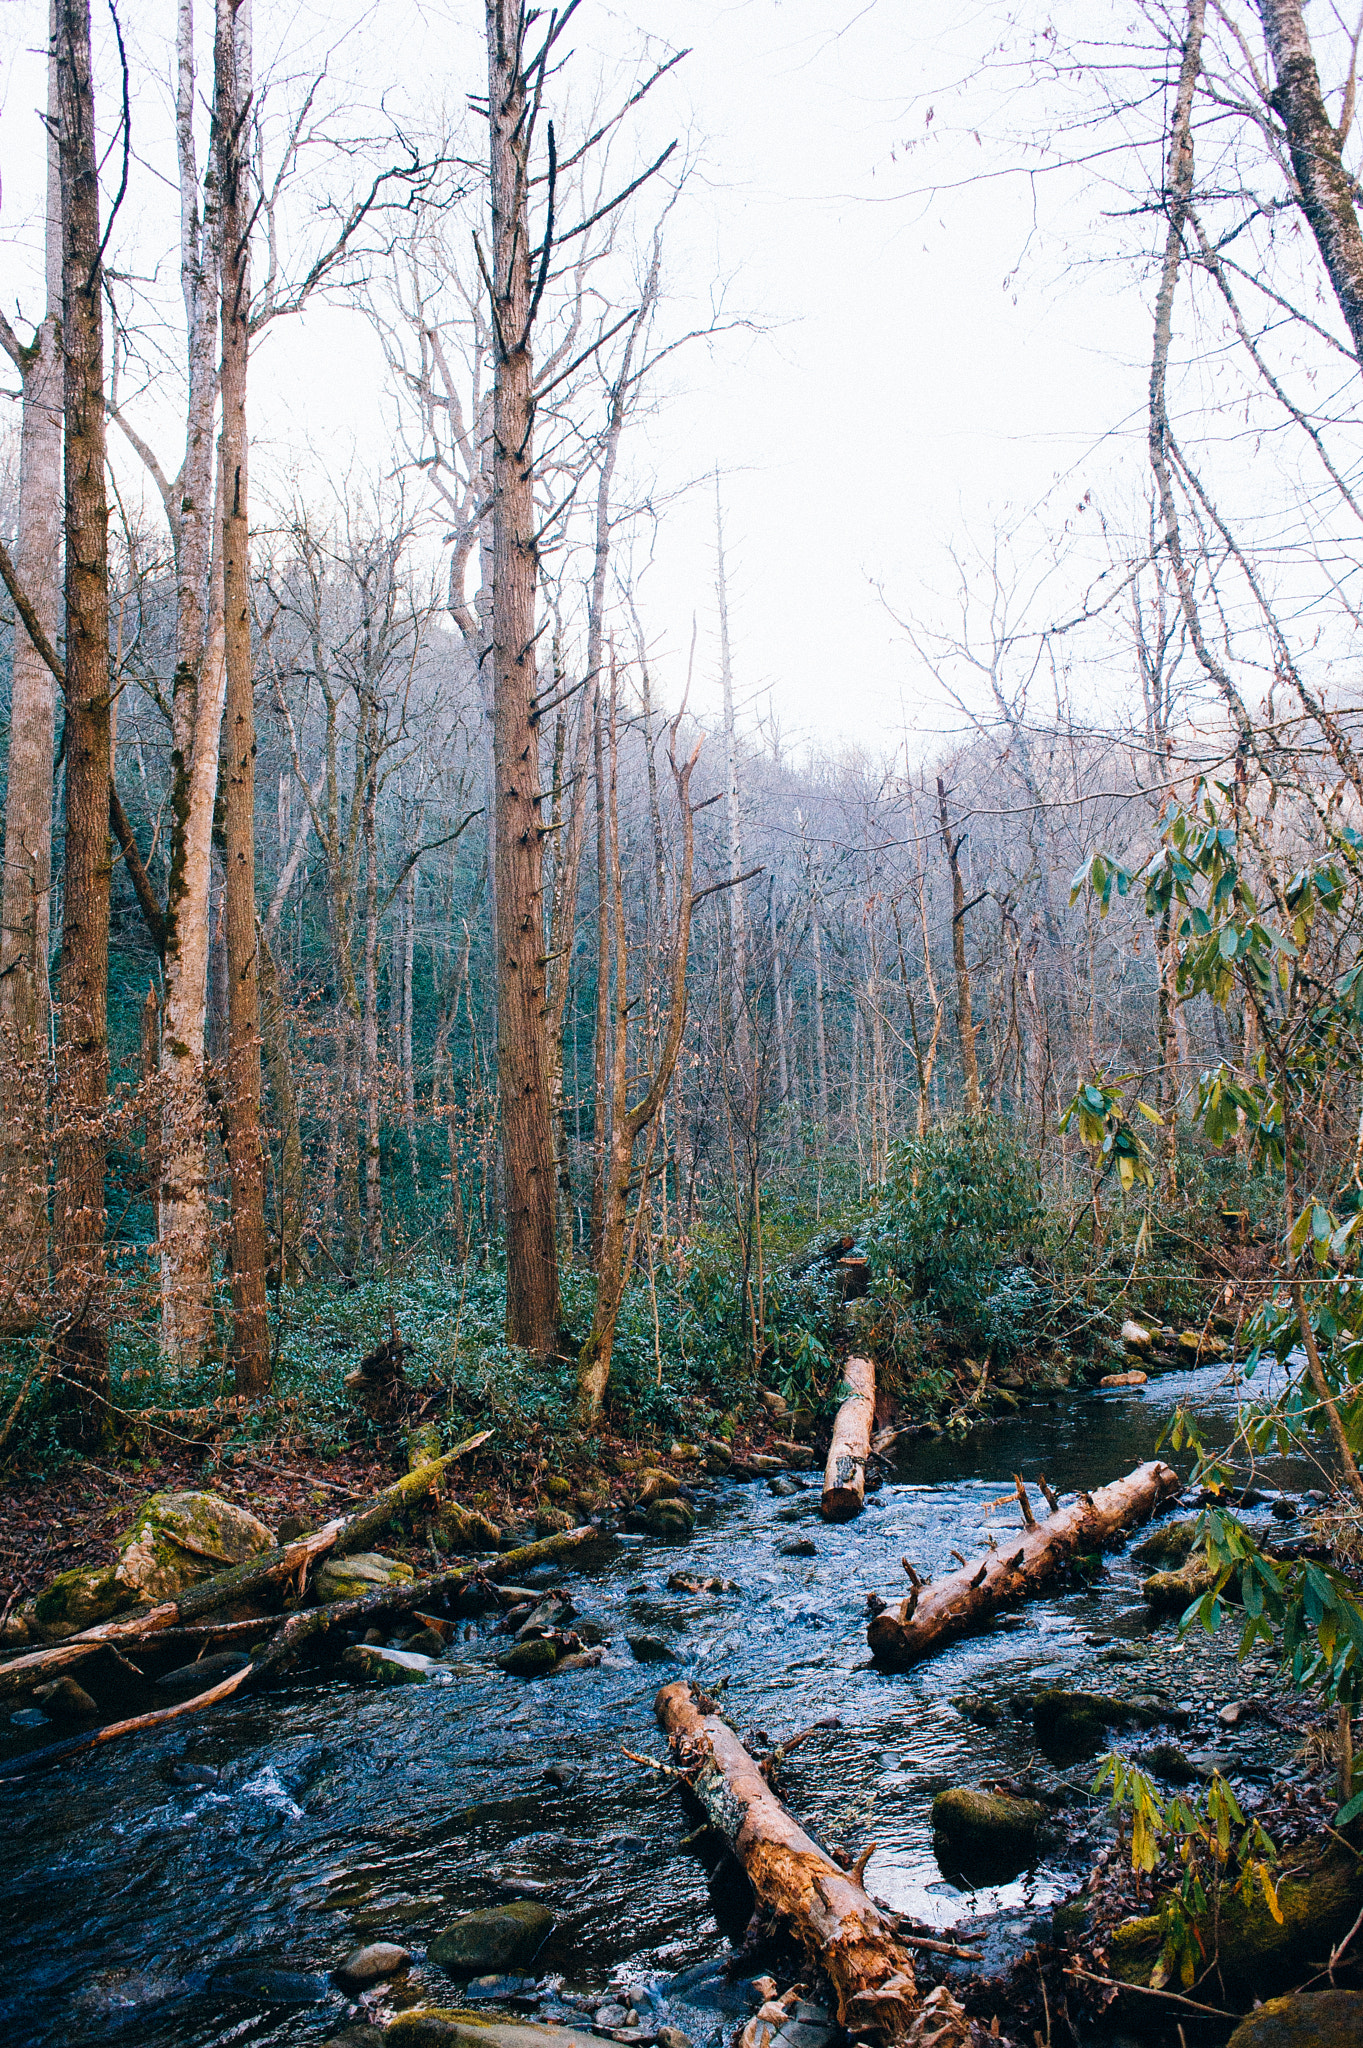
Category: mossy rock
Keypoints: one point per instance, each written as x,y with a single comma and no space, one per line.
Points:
673,1519
1255,1953
497,1939
1075,1721
351,1578
173,1541
534,1658
552,1521
439,2026
985,1837
460,1527
1308,2019
1169,1544
1171,1592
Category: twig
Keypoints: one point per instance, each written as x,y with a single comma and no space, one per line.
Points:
1149,1991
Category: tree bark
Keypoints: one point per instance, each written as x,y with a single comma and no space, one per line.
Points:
532,1296
26,893
1324,186
1021,1566
844,1479
245,1149
82,1037
951,846
843,1931
197,695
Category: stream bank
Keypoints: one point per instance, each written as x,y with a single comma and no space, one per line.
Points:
200,1886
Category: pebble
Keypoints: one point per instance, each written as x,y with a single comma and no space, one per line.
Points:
804,1546
1236,1712
673,2037
374,1962
609,2016
28,1717
181,1773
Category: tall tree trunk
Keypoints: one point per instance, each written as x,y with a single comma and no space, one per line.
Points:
408,966
951,844
82,1039
532,1299
197,694
600,1099
245,1150
26,895
290,1187
369,1023
736,923
1326,188
820,1037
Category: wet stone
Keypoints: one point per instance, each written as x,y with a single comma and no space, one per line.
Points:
1308,2019
534,1658
498,1939
651,1650
373,1963
64,1700
804,1546
29,1717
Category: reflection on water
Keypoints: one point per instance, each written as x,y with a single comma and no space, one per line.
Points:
143,1911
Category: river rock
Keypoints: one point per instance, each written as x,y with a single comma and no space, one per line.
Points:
1072,1720
266,1984
497,1939
651,1650
427,1642
534,1658
763,1465
800,1457
372,1963
1171,1592
1135,1337
985,1835
656,1484
435,2026
803,1546
351,1578
552,1521
1319,1904
64,1700
718,1456
1124,1379
1201,1345
392,1667
1308,2019
174,1540
1168,1761
674,1519
1168,1544
29,1717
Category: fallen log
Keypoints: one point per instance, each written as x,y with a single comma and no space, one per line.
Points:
856,1944
343,1536
935,1614
844,1479
303,1626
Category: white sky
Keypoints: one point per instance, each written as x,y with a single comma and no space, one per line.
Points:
901,397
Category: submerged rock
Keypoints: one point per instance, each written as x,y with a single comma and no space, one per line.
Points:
651,1650
498,1939
534,1658
671,1518
1170,1543
372,1963
435,2026
1077,1720
268,1985
351,1578
1308,2019
985,1837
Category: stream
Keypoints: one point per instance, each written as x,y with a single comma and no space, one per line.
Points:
170,1914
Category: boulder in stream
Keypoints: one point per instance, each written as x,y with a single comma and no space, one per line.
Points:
373,1963
534,1658
499,1938
1171,1592
1308,2019
673,1519
393,1667
1169,1543
985,1834
435,2026
1077,1720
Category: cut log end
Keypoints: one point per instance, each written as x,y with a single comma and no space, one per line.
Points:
844,1483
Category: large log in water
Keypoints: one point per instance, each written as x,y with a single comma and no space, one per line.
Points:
844,1931
844,1479
1020,1566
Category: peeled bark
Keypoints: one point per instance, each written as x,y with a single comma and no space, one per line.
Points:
851,1939
83,1040
844,1479
1021,1566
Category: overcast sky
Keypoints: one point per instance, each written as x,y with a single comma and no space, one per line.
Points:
926,365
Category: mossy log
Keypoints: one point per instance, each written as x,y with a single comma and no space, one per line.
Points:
853,1941
292,1562
844,1479
1021,1566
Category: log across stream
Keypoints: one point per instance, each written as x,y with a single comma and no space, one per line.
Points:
146,1890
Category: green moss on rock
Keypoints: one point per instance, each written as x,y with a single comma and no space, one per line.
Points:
1169,1544
1309,2019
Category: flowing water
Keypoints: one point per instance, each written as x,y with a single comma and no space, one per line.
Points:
142,1910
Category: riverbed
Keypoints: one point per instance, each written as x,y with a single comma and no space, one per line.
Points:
140,1908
